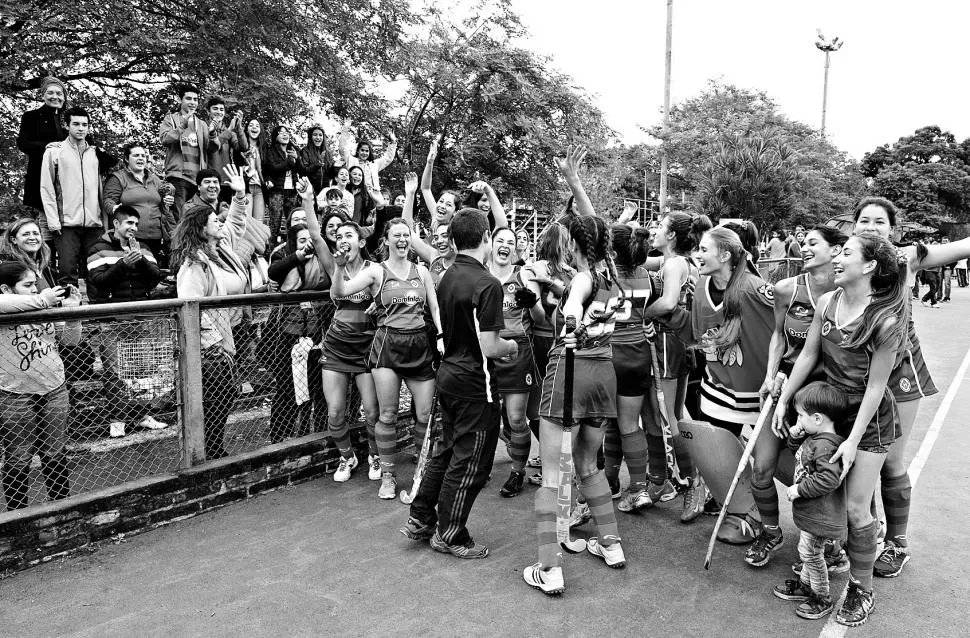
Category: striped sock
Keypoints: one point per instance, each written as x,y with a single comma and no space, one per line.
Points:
597,492
371,439
896,493
519,445
386,435
684,460
417,434
766,498
341,438
657,459
549,555
612,450
635,453
861,548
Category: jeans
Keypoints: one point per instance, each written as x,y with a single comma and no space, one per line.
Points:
947,276
184,191
219,393
73,244
932,280
815,573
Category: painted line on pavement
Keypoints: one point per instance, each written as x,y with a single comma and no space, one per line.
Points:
833,629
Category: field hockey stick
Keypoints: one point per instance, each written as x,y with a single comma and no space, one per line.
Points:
665,419
406,497
742,464
564,499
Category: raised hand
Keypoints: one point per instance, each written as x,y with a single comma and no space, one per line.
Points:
236,181
410,183
305,190
478,187
433,150
569,165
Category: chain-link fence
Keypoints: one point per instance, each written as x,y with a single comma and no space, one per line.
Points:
774,270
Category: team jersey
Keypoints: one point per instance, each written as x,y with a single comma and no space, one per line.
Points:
437,269
732,378
684,300
599,317
798,319
401,302
637,291
518,321
350,316
847,368
549,301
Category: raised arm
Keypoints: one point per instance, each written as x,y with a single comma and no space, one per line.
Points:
320,248
569,167
428,173
341,287
421,246
235,225
390,153
498,211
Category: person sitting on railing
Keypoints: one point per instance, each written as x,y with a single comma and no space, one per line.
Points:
203,251
120,268
34,403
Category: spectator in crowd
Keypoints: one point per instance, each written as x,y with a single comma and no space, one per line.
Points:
208,187
366,200
231,139
364,157
253,159
338,195
121,269
316,159
23,242
795,247
34,405
947,276
931,277
203,251
281,167
70,184
776,247
187,146
961,269
137,187
38,128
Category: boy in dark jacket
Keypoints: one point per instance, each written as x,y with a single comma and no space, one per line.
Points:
817,494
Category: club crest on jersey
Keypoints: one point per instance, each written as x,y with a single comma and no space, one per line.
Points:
905,385
415,283
528,379
510,287
826,328
800,311
767,291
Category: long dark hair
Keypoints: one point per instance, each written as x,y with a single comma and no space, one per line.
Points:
889,295
189,238
551,248
832,235
687,229
629,246
595,242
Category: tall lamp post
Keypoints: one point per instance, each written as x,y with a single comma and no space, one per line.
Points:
829,47
664,167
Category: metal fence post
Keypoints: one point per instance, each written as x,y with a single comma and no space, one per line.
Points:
190,384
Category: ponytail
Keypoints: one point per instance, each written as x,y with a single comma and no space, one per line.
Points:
729,332
889,295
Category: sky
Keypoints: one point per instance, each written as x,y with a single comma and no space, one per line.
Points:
903,65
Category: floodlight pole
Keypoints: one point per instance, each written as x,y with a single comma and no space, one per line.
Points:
664,168
828,47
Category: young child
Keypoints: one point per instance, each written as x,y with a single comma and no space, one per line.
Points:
817,495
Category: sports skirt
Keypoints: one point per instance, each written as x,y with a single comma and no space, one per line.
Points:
633,368
346,350
672,358
594,389
911,379
407,352
518,375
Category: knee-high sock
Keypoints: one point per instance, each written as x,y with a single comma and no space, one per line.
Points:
861,548
612,451
657,458
371,439
896,493
519,445
340,433
597,492
635,453
549,555
766,498
684,460
386,435
420,429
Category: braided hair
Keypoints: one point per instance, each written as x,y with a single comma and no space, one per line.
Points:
594,241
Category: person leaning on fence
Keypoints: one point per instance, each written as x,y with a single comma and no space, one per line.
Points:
120,269
203,252
34,405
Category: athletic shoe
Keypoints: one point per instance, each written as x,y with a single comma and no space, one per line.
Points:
763,547
536,479
891,559
416,530
634,500
469,550
815,607
374,467
661,493
388,489
513,486
548,581
857,606
711,506
694,500
738,529
535,461
612,554
152,423
793,590
345,468
580,515
615,490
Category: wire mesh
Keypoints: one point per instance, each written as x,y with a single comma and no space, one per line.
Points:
774,270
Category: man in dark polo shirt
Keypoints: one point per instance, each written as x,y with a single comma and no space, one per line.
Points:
470,303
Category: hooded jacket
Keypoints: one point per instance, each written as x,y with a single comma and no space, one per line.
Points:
70,186
111,280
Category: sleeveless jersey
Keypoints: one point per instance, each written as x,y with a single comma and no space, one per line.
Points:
437,270
350,316
549,302
401,302
518,321
637,291
685,300
847,368
798,319
599,316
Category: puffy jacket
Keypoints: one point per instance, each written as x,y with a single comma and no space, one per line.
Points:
155,220
111,280
70,186
38,128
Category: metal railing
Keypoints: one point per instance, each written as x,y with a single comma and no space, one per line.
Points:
101,395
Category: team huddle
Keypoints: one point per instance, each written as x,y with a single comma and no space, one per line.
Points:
829,359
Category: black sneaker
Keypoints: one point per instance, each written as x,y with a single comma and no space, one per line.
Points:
711,506
794,590
416,530
815,607
763,547
891,560
513,486
857,606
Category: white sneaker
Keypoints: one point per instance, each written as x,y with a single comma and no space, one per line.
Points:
548,581
373,467
152,423
388,489
116,429
612,554
346,467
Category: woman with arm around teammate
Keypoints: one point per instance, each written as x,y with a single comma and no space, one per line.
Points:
400,348
857,337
